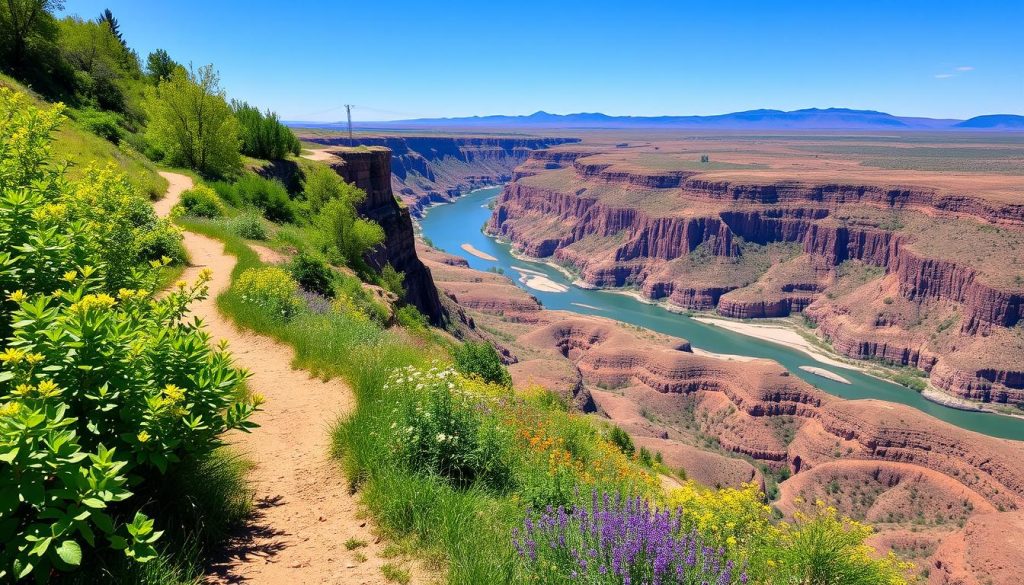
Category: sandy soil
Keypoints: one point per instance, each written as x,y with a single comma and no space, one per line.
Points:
723,356
472,250
303,511
825,374
318,154
777,334
539,281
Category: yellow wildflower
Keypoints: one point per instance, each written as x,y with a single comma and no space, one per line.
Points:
143,437
47,388
174,393
10,408
18,296
70,276
23,389
12,356
34,358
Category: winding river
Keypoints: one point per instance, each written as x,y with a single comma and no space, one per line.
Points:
450,226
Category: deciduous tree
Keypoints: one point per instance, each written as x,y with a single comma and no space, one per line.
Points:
191,121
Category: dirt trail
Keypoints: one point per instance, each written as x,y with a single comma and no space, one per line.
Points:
303,513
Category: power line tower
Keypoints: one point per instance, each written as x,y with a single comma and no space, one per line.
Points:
348,111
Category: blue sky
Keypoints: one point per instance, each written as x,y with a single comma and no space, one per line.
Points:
399,59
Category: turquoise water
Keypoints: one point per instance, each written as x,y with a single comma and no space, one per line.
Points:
451,225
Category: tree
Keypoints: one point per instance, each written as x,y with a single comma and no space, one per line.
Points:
21,20
263,135
159,65
104,68
192,123
107,17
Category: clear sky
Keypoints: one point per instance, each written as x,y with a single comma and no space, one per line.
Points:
404,59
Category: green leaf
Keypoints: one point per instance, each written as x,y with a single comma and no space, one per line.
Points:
70,552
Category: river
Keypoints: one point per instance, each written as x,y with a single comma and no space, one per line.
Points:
449,226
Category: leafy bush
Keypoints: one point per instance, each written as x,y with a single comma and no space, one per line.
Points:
622,440
481,359
142,391
392,280
262,134
272,289
411,318
122,229
267,195
248,225
313,275
344,236
104,124
322,184
444,431
201,201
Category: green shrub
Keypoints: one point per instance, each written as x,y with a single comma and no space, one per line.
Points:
481,359
411,318
248,225
392,280
622,440
343,235
103,124
313,275
201,201
271,289
83,431
226,192
267,195
262,134
443,432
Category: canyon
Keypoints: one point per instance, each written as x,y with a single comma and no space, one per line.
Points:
933,491
435,168
912,267
922,483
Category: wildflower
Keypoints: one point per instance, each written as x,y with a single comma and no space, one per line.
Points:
17,296
143,437
70,276
173,393
34,358
12,356
47,389
10,408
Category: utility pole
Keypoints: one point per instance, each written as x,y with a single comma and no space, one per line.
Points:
348,111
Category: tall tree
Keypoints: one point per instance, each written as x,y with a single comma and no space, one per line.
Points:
115,28
191,121
20,20
159,65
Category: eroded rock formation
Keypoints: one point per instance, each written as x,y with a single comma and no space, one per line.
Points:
914,275
428,169
370,170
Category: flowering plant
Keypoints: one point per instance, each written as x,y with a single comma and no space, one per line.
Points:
620,540
449,431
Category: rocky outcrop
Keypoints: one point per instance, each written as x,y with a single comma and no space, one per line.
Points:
370,170
429,169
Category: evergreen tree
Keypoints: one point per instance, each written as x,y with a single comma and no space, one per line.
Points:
115,28
159,65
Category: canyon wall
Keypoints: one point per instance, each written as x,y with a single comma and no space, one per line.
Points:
370,170
680,237
429,169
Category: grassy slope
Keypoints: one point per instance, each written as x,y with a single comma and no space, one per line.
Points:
80,148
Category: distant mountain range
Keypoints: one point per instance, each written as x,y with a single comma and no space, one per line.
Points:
807,119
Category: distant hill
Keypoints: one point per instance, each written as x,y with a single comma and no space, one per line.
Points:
806,119
994,121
